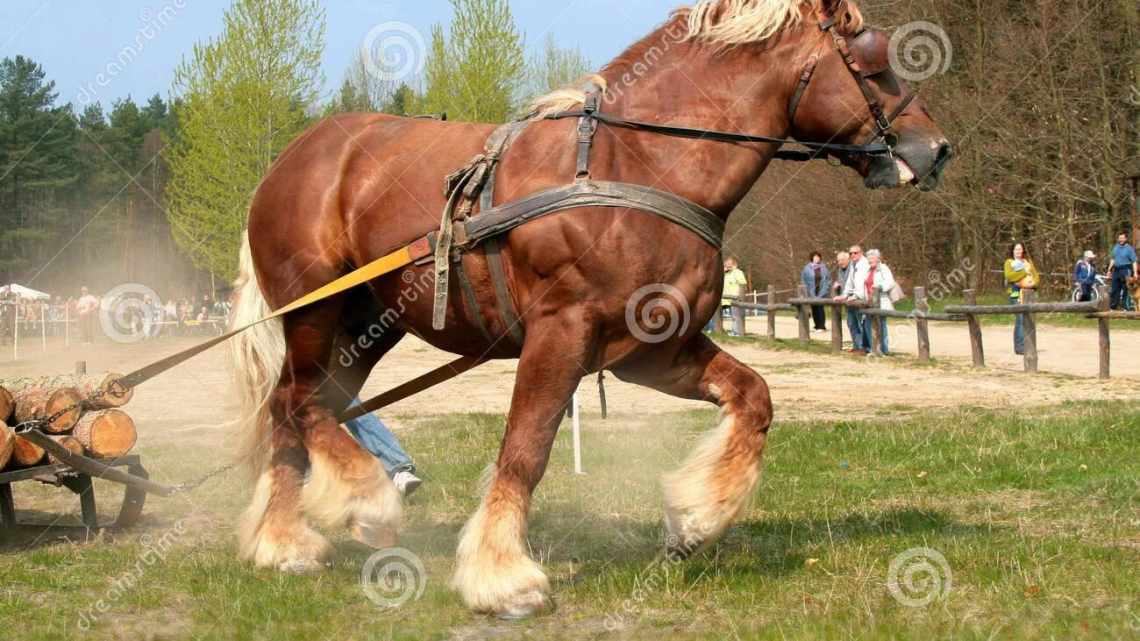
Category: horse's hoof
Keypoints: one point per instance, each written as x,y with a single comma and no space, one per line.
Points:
301,566
379,538
526,605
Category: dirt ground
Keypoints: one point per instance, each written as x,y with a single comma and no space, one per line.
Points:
197,396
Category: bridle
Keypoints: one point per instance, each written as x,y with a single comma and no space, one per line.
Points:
881,143
863,40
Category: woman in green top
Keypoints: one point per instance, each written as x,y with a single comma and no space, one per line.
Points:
1020,274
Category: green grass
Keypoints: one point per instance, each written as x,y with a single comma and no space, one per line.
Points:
1037,516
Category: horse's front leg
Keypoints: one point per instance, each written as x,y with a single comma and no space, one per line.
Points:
493,571
713,485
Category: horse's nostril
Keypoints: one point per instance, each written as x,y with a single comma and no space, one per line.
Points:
945,153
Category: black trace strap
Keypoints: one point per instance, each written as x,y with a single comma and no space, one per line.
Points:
872,149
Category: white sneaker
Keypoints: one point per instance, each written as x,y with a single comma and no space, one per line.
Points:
406,482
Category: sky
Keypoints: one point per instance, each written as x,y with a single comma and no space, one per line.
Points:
79,42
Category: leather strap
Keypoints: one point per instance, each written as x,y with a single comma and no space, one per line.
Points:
502,290
383,265
587,127
412,387
805,80
471,302
872,149
594,193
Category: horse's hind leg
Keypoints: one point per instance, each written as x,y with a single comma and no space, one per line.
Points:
713,485
346,484
493,571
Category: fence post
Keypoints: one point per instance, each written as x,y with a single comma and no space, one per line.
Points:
876,326
977,348
837,328
1105,338
1028,296
922,307
803,312
718,318
771,313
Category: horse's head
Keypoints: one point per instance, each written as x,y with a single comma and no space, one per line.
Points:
849,93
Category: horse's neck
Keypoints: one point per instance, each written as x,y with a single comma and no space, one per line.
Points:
740,90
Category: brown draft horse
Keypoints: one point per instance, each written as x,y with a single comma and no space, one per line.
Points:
355,187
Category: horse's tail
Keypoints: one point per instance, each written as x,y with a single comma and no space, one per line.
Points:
257,356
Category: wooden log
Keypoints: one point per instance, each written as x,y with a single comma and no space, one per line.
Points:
7,444
106,394
922,326
26,453
7,405
877,326
106,434
1030,327
837,328
1024,308
803,313
771,312
70,442
977,348
37,403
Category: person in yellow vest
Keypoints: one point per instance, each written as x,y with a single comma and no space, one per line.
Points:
735,282
1020,275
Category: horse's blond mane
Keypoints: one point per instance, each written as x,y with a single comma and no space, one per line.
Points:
737,22
724,22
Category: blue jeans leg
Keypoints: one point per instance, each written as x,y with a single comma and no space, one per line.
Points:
375,437
886,337
855,326
1018,329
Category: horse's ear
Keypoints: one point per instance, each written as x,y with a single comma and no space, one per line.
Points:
831,8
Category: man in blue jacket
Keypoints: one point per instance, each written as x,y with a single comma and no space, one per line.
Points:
1084,276
1122,267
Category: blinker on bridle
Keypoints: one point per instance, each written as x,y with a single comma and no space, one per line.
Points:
864,41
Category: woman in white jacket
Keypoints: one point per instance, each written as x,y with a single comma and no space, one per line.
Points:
878,277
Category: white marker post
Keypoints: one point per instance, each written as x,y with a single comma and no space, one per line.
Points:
577,432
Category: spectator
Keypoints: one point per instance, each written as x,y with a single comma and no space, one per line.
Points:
734,283
1120,269
817,281
856,273
87,308
374,436
1084,276
1020,275
877,278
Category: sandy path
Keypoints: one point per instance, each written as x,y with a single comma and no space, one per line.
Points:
197,396
1062,350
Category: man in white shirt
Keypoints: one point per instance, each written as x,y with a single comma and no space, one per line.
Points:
88,308
856,273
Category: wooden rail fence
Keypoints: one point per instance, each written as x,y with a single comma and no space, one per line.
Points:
968,313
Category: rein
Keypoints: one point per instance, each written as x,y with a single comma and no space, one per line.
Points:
818,148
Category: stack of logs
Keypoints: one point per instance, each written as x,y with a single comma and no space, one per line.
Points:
87,420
